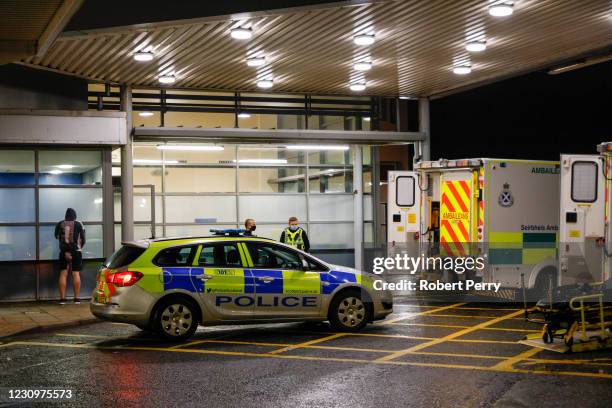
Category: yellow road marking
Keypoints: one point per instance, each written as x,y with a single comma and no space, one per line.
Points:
311,358
452,326
290,345
508,363
473,316
307,343
403,336
426,312
450,336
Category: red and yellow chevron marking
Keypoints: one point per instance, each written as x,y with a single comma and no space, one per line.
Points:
455,204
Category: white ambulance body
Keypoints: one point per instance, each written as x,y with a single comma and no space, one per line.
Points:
584,230
506,211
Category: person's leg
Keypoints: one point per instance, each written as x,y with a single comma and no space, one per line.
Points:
76,283
62,283
77,263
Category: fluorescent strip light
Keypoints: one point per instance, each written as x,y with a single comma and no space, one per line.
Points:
143,56
188,148
262,161
317,147
366,119
65,166
244,115
145,114
55,172
149,161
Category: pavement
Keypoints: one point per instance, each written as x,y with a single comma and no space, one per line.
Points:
19,318
438,355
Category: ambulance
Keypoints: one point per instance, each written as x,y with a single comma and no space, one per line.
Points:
505,211
584,230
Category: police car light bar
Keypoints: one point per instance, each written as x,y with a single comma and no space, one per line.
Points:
232,232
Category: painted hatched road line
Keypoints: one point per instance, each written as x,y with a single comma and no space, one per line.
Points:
426,312
307,343
321,359
508,363
450,336
473,316
291,346
451,326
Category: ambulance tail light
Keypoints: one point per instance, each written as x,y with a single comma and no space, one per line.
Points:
125,278
416,236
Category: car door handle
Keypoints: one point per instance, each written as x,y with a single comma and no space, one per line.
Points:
204,278
266,279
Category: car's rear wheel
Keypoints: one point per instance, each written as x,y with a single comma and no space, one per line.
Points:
348,312
176,319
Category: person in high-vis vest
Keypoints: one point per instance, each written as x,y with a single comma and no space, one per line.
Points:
295,235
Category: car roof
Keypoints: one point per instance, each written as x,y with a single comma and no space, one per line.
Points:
169,241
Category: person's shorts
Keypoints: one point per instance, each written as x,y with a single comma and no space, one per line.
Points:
77,261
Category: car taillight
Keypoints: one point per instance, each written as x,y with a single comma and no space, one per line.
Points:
126,278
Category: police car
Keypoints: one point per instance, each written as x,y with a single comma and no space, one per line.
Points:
172,285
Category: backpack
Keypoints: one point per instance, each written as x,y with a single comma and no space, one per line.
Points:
67,236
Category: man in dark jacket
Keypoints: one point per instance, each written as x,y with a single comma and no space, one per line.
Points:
295,235
71,236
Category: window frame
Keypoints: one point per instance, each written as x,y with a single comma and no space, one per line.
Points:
188,264
593,163
281,247
196,259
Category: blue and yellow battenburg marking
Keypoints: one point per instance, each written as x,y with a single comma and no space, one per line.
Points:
250,281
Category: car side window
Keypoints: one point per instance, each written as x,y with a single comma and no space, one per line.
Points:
314,265
175,256
220,255
272,256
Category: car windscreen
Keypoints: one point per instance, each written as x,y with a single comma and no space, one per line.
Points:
124,256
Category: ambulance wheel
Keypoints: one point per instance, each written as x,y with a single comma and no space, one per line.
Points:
348,312
176,319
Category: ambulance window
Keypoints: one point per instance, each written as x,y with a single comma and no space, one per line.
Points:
584,181
269,256
221,255
175,256
404,191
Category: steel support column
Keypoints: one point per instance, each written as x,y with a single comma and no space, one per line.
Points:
108,206
424,129
127,170
358,204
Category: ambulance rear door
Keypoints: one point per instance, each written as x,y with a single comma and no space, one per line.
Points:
403,207
456,210
582,218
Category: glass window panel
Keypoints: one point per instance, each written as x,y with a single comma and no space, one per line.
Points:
272,180
221,254
16,167
404,193
150,118
17,243
584,182
330,180
290,122
49,247
269,154
142,208
330,157
146,153
200,180
259,121
87,203
140,232
70,167
367,155
366,123
269,231
203,119
270,256
200,209
367,181
17,205
116,156
367,208
331,208
227,155
368,232
176,256
195,230
148,175
331,236
272,209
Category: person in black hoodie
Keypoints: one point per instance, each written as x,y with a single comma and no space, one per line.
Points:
71,236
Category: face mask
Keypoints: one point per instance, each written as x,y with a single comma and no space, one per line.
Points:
293,227
254,227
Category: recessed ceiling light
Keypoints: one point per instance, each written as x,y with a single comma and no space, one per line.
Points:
317,147
265,83
357,87
406,97
256,61
364,39
190,147
362,66
476,46
462,69
241,33
143,56
167,79
366,119
65,166
145,114
501,9
244,115
55,172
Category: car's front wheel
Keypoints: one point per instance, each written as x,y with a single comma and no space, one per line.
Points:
176,319
348,312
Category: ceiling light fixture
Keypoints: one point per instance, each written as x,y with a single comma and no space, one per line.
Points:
265,83
256,61
317,147
244,115
187,147
143,56
358,86
503,9
366,119
241,33
476,46
364,39
167,79
145,114
65,166
362,66
262,161
150,161
462,69
55,172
